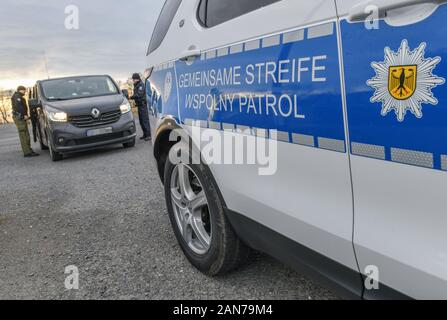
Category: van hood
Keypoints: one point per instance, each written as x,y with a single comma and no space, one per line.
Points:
84,106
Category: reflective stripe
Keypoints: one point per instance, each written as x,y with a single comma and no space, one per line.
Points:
293,36
280,135
243,129
261,133
444,162
202,123
368,150
222,52
228,127
417,158
236,48
320,31
271,41
252,45
331,144
215,125
211,54
303,139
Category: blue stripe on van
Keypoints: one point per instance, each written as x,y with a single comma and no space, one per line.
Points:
316,106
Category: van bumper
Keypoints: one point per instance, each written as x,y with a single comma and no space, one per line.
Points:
68,138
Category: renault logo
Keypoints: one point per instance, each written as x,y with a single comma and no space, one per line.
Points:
96,113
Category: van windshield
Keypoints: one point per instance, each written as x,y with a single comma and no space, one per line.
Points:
76,88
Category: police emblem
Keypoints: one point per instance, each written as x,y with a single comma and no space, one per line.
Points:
404,81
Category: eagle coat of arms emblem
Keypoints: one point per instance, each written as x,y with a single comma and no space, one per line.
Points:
404,81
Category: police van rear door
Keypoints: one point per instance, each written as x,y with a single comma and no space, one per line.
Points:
396,96
268,66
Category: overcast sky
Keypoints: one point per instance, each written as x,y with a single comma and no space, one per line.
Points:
112,38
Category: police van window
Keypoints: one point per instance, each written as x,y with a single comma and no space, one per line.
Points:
214,12
163,23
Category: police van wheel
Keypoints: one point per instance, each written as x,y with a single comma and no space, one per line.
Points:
198,219
55,156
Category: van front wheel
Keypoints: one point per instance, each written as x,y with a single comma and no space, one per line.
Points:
54,155
198,219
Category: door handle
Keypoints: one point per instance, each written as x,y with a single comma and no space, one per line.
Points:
190,54
359,12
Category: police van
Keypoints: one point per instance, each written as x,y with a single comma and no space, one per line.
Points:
350,97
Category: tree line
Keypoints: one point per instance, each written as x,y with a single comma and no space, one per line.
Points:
5,106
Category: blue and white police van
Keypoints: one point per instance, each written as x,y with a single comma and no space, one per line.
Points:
353,94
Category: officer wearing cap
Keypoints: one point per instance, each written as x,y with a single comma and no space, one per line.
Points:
20,116
139,96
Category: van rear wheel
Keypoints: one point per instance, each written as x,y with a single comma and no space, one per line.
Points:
198,218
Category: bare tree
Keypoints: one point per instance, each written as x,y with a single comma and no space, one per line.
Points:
5,106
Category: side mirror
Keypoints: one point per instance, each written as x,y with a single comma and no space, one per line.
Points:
125,93
34,104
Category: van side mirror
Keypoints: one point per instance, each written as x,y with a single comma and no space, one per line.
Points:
125,93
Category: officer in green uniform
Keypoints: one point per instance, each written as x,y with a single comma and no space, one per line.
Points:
20,116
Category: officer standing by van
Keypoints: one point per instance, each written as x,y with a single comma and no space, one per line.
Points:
139,96
20,116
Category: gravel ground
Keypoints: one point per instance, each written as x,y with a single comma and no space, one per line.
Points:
103,211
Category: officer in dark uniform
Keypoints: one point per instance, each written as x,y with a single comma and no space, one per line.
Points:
139,96
34,120
20,116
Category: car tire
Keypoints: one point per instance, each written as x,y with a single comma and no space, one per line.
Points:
225,251
54,155
129,144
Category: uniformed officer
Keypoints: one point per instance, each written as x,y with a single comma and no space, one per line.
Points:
34,119
20,116
139,96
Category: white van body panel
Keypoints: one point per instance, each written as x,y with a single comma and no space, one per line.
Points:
376,201
309,199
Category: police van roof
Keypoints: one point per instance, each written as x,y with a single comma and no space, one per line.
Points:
74,77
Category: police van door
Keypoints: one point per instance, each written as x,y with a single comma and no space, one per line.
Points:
271,69
395,72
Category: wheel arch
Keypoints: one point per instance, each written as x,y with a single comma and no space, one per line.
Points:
162,146
162,143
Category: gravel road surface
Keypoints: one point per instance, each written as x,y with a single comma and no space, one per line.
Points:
103,211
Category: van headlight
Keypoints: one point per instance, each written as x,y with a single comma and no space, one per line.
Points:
56,115
125,107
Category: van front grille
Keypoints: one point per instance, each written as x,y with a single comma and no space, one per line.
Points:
87,121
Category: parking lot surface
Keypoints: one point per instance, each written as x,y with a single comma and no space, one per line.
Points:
103,211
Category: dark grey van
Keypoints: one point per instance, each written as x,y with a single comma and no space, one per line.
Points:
81,113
